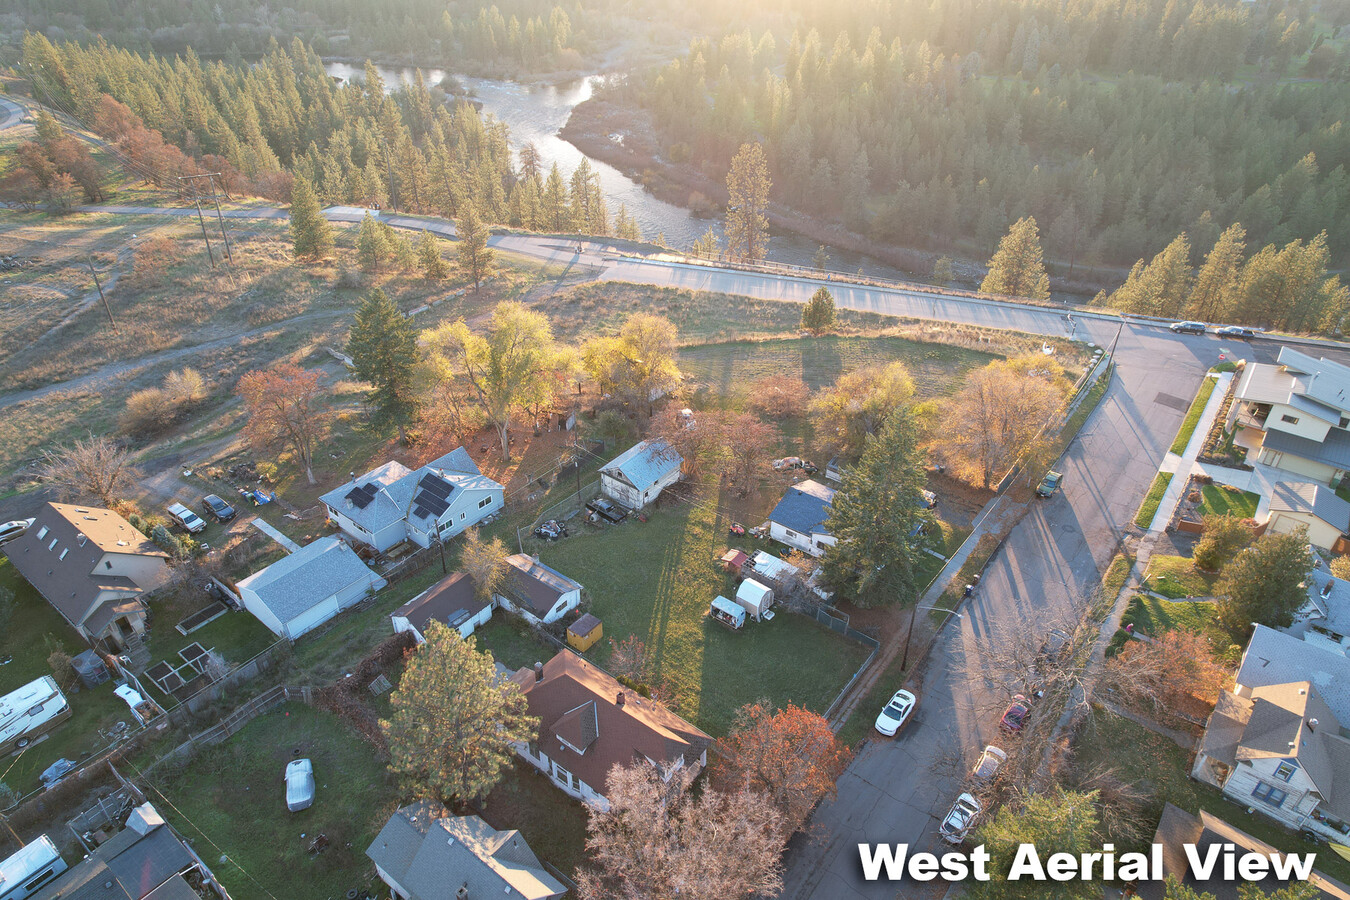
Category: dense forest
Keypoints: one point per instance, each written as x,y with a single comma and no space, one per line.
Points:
517,37
413,148
944,123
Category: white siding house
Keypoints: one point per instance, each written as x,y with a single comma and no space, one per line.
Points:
393,503
450,601
799,518
639,475
536,592
297,594
1295,415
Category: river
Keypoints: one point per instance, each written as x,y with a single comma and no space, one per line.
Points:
535,113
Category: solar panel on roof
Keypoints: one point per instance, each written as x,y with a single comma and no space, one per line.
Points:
434,504
360,497
420,512
434,484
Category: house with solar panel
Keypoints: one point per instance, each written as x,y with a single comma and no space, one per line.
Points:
637,476
393,504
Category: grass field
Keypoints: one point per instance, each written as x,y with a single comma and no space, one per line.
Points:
1162,769
1219,500
1193,416
733,368
656,579
1153,617
230,800
1177,578
1152,500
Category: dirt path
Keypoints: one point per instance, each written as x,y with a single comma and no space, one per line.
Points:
119,370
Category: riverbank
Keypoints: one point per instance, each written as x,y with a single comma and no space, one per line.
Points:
626,138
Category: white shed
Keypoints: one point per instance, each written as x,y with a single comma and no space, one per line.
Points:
312,585
756,598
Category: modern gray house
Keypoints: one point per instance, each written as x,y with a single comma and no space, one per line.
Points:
393,504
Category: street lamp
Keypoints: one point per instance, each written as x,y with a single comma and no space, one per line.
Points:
909,633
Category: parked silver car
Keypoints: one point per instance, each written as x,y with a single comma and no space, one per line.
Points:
299,784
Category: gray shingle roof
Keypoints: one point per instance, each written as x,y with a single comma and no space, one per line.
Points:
1273,657
1322,380
1316,499
312,574
394,486
1332,610
1334,451
644,464
804,508
433,856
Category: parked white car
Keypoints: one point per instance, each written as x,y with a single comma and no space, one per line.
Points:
10,530
960,819
299,784
896,713
186,517
988,765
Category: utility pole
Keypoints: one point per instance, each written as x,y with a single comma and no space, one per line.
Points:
201,220
106,308
221,219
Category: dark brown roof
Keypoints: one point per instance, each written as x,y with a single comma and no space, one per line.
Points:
528,581
639,729
442,601
84,534
584,626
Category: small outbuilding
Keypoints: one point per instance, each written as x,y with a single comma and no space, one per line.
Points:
584,632
755,599
728,613
452,601
535,592
733,560
637,476
299,593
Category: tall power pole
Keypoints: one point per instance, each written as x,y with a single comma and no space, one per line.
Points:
106,307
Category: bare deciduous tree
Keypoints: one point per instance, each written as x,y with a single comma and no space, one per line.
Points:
283,410
94,468
484,562
1174,673
658,840
779,396
628,658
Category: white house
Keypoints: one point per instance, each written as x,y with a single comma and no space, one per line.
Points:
451,601
1275,744
537,592
424,853
1295,415
637,476
589,723
799,518
297,594
393,503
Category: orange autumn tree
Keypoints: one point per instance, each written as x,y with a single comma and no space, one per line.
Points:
790,756
285,409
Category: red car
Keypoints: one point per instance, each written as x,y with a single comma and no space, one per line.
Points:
1016,715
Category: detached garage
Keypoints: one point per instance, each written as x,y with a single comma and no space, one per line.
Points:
312,585
1314,506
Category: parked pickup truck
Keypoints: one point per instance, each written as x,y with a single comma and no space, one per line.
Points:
186,517
1049,484
607,510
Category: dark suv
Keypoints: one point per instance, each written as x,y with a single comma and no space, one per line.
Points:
217,508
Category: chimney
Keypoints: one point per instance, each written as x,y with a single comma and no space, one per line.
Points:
1312,724
618,701
352,475
538,671
463,892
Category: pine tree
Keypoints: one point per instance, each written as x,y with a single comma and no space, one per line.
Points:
429,257
818,315
557,215
748,185
1217,279
873,517
383,348
1264,583
372,246
706,245
624,225
1017,268
475,257
310,232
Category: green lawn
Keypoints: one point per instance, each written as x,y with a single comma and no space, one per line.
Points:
231,800
656,579
1177,577
1193,416
1149,508
554,825
732,368
1162,769
1152,616
1219,500
514,643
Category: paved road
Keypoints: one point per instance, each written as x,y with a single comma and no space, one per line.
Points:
11,113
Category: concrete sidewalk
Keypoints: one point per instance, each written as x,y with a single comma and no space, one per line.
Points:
1182,466
290,545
